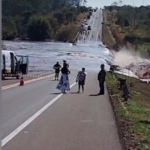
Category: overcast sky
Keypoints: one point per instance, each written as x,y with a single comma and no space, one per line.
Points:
101,3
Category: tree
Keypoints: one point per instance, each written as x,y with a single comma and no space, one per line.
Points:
120,2
69,17
38,28
67,33
9,29
58,13
148,15
114,4
54,25
60,17
83,9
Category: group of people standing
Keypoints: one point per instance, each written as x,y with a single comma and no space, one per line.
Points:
64,84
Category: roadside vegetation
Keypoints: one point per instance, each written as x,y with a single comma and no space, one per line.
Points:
39,20
130,26
133,114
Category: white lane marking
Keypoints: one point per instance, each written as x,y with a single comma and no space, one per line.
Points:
91,32
99,29
31,119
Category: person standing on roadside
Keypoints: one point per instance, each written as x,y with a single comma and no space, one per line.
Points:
65,63
81,80
101,79
64,84
57,67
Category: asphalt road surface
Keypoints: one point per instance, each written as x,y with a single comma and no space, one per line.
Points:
95,22
74,122
19,103
37,117
96,25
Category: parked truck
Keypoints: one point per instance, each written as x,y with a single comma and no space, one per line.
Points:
13,65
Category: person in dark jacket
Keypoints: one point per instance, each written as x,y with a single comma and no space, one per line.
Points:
57,67
65,63
101,79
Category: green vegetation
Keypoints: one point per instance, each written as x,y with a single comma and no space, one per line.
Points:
134,114
129,24
39,20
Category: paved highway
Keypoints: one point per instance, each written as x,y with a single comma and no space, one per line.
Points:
96,25
73,122
37,117
19,103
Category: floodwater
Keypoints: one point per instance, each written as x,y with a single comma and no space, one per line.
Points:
43,55
91,54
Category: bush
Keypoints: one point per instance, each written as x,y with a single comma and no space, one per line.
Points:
83,9
137,39
38,28
54,26
67,33
59,16
9,30
131,38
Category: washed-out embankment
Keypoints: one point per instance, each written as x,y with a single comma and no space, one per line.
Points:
129,59
125,57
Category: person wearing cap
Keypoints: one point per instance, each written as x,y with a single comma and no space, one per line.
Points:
57,67
101,79
65,63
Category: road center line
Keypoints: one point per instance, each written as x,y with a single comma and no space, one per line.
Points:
31,119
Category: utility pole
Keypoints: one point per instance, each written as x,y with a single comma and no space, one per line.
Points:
0,74
142,2
133,13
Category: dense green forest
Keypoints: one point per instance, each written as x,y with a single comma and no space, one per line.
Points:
38,20
129,24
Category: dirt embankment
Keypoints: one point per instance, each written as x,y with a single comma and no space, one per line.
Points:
112,34
107,37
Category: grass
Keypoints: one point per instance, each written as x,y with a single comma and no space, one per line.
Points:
138,108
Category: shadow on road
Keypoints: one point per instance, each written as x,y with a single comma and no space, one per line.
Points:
74,93
53,80
55,93
94,95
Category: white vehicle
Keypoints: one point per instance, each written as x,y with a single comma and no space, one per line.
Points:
13,65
